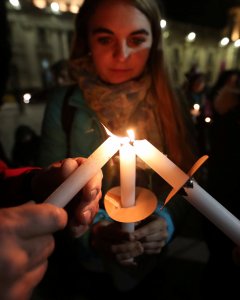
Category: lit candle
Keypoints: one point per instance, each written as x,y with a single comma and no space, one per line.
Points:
76,181
127,179
195,111
214,211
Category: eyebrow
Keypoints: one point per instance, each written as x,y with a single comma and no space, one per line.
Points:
108,31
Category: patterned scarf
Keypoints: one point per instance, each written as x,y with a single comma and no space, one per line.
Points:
122,106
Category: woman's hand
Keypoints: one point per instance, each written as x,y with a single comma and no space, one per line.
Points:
149,237
85,204
111,241
152,233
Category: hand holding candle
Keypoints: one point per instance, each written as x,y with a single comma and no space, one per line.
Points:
128,204
133,206
76,181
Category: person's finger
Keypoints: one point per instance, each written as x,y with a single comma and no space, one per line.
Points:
153,247
158,225
127,248
79,230
38,249
91,195
48,179
85,204
39,219
80,160
124,252
22,288
93,186
69,165
19,256
155,237
85,214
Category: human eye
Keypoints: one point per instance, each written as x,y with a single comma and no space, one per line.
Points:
104,40
136,41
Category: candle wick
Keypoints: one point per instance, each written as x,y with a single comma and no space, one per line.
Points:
131,142
189,183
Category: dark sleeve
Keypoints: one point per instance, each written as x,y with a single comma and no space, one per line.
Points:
15,185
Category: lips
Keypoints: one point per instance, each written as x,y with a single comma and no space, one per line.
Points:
120,70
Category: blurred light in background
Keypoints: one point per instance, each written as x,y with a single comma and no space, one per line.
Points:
191,37
26,98
58,6
15,3
163,23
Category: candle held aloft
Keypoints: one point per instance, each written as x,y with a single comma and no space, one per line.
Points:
76,181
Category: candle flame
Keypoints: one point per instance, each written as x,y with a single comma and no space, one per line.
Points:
131,135
196,106
107,130
126,139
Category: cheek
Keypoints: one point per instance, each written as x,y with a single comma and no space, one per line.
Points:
100,59
140,59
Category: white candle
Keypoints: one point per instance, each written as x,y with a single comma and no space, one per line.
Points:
160,163
127,175
197,196
127,179
214,211
76,181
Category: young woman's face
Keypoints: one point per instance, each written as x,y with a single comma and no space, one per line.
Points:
120,39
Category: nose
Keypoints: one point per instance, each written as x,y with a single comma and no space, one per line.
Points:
122,51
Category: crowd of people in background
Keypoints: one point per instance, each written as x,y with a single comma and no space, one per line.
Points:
97,86
220,139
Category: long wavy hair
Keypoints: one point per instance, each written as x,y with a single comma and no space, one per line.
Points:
169,112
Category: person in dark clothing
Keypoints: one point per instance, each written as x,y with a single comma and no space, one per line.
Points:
5,49
117,64
26,146
222,273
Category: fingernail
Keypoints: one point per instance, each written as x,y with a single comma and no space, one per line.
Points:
93,194
78,230
87,216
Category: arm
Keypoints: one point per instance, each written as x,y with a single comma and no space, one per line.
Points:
14,184
26,231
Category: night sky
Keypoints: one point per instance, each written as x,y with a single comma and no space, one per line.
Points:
212,13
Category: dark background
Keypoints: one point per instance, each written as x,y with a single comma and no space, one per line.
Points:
210,13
